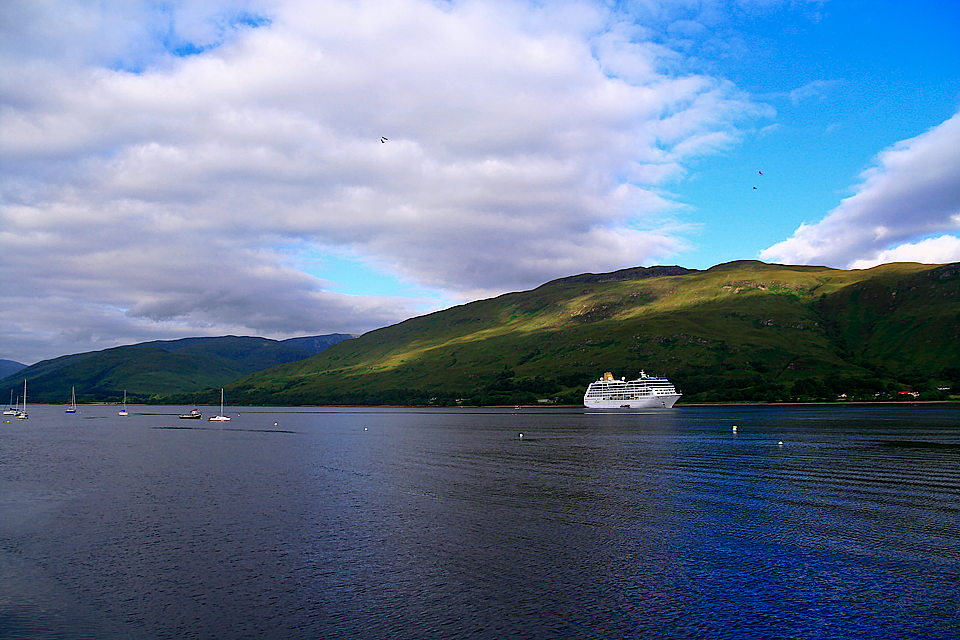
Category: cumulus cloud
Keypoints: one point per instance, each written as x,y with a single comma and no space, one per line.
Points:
163,164
939,250
905,208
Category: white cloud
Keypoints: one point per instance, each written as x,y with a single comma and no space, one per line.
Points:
148,190
912,193
816,90
940,250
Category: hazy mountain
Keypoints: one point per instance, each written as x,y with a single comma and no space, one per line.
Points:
316,344
160,367
743,330
9,367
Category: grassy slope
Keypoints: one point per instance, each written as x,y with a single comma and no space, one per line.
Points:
744,321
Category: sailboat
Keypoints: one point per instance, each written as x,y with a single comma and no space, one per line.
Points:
220,417
73,401
11,410
123,411
22,414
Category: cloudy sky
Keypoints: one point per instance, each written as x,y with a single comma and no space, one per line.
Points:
176,168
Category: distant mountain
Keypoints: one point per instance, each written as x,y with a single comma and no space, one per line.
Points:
160,368
738,331
316,344
9,367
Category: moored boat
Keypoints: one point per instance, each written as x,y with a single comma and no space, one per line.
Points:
643,393
11,409
193,415
220,417
22,413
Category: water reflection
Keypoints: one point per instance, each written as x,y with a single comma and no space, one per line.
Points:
391,523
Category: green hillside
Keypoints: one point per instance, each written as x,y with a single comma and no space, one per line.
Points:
739,331
158,368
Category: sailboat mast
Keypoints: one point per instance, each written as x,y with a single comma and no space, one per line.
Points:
23,414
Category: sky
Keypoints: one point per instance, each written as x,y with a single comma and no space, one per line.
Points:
282,168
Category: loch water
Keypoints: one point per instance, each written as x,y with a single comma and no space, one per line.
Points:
805,522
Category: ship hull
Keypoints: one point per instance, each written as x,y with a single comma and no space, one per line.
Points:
652,402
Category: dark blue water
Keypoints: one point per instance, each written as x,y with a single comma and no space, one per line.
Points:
345,523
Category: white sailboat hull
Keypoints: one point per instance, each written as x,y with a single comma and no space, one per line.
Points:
220,417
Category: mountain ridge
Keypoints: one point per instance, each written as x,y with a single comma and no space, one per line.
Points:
743,330
161,367
10,367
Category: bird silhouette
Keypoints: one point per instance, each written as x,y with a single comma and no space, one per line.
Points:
754,188
761,173
382,139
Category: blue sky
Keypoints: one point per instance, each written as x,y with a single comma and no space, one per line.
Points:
847,85
203,168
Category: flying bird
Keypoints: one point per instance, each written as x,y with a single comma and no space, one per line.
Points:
382,139
754,187
761,173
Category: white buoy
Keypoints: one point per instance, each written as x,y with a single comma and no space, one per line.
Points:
780,443
521,436
364,428
734,428
274,424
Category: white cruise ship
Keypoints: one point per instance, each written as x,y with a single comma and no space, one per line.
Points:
642,393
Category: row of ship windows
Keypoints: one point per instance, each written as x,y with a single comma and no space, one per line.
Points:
632,394
631,390
634,383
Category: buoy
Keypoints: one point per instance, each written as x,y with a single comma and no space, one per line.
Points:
364,428
521,436
734,428
780,443
274,424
